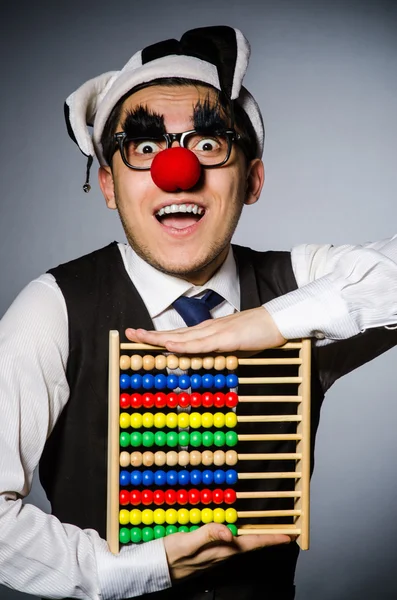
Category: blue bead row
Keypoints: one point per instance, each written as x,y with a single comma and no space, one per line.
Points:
183,477
161,382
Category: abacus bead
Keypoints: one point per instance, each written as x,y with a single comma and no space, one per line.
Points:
160,458
229,496
196,363
231,399
136,400
135,497
147,534
159,516
217,496
219,439
219,400
124,516
160,362
159,532
182,497
231,438
160,477
147,478
158,497
231,477
219,458
231,458
195,439
207,458
219,381
125,401
125,381
208,362
208,477
147,420
183,516
172,381
219,515
136,381
148,381
171,516
195,381
183,455
219,477
183,477
124,459
172,477
124,497
184,363
195,515
136,535
148,400
230,419
135,516
125,476
206,496
172,361
183,439
207,381
231,380
125,362
170,497
172,420
124,439
220,363
207,419
148,362
195,420
147,498
160,381
160,400
136,478
231,363
195,477
183,529
160,438
172,400
194,497
207,399
172,458
172,439
124,535
207,439
147,516
136,362
148,439
183,420
148,459
171,529
183,400
207,515
219,420
195,457
159,420
232,528
195,400
231,515
135,420
184,382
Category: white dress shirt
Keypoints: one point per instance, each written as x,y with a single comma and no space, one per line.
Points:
342,291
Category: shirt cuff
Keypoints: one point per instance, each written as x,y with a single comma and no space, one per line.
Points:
314,310
136,570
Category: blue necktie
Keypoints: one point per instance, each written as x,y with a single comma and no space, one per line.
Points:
195,310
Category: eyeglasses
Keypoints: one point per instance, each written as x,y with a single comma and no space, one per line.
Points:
212,150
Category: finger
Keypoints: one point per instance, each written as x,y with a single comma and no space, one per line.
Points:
254,541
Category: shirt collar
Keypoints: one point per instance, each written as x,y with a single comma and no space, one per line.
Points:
148,281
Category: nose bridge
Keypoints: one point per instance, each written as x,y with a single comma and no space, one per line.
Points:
174,137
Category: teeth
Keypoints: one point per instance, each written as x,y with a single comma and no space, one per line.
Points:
195,209
183,208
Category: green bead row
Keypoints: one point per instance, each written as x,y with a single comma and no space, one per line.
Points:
147,534
172,439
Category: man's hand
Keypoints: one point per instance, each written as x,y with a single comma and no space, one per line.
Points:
249,330
189,553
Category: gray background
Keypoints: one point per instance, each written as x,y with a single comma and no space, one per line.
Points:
325,76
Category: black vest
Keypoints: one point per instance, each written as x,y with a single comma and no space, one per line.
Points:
100,296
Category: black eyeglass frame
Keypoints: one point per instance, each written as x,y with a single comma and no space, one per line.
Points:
121,137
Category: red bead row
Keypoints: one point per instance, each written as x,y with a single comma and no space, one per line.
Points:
193,496
184,399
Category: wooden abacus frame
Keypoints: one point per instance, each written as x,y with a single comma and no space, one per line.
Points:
301,492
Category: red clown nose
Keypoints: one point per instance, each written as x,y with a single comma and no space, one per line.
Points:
175,169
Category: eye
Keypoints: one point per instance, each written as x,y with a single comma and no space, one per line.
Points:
207,144
147,147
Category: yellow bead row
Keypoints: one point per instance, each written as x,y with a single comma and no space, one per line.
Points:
136,362
172,420
171,516
182,458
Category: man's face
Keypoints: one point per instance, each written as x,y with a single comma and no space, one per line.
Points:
189,245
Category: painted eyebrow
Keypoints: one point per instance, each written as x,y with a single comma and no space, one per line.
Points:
207,118
140,122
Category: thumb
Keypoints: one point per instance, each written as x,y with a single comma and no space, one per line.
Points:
207,534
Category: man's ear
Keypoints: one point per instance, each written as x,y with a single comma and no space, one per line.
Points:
106,183
255,181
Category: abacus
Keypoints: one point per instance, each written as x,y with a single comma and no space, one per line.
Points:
171,447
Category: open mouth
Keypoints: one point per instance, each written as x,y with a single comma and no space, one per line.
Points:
180,216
